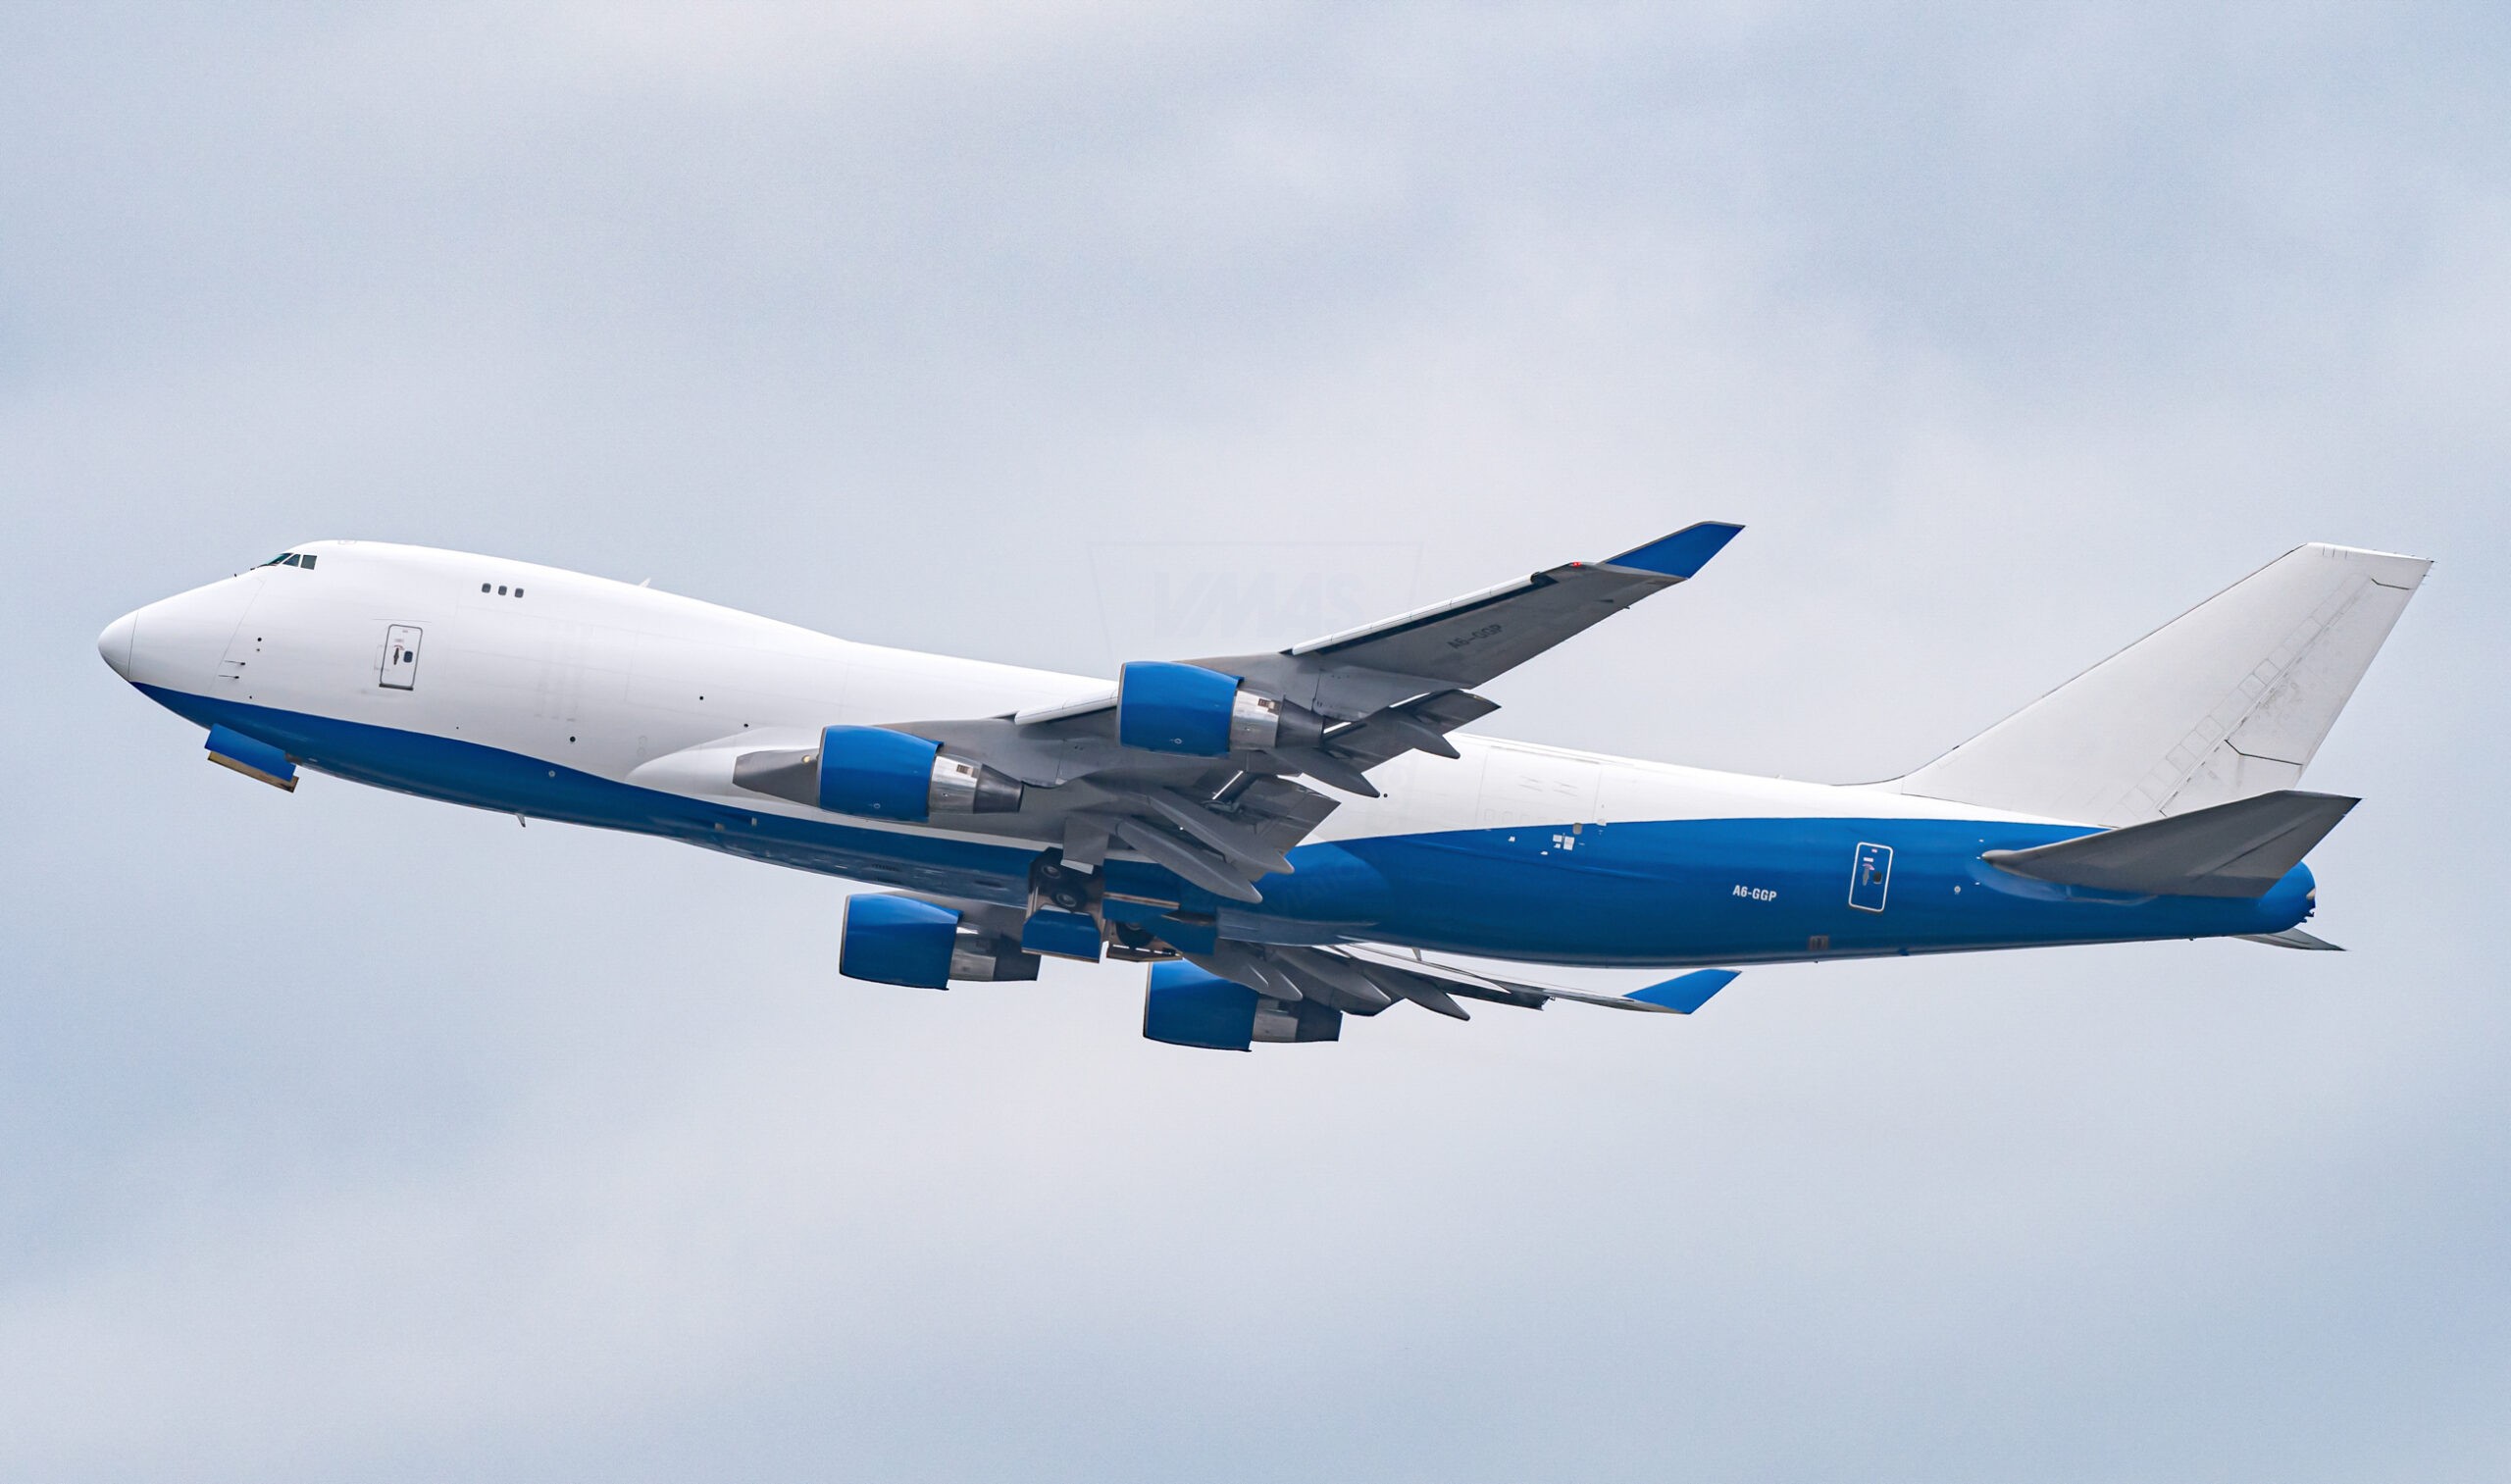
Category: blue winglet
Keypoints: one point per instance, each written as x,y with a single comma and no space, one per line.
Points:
1681,554
1685,992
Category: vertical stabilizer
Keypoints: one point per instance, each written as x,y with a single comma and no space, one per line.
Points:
2227,701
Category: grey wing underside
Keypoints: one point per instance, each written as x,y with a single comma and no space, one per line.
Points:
1365,977
1470,641
1224,821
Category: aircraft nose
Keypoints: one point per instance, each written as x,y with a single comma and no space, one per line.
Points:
116,641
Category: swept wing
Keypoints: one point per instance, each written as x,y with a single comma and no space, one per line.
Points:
1208,767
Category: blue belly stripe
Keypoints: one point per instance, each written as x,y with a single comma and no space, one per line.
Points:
1668,892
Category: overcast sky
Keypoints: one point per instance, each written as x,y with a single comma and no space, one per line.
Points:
346,1135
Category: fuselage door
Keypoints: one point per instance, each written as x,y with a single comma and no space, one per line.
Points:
400,668
1524,786
244,645
1870,878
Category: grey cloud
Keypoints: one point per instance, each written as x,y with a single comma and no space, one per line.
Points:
2008,336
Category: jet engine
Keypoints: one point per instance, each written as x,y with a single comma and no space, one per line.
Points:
907,940
880,773
1186,1006
1168,707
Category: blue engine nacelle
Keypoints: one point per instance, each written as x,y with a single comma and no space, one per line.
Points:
902,940
1166,707
1186,1006
881,774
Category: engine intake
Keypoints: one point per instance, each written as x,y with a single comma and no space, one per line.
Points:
1186,1006
1166,707
881,774
906,940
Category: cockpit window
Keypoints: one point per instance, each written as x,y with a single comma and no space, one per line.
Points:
291,559
306,561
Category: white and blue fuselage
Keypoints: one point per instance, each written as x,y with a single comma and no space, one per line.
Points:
552,694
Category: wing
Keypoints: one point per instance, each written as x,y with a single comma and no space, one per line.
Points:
1364,979
1223,994
1427,981
1205,767
1470,641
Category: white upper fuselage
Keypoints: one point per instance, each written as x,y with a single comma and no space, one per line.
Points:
631,684
525,689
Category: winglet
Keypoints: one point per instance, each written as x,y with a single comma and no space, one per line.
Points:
1680,555
1685,992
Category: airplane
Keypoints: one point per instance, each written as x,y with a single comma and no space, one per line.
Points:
1291,837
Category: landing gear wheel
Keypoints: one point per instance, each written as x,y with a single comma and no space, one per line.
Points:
1063,887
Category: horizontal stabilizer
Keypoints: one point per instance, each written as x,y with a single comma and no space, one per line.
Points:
2240,849
2294,937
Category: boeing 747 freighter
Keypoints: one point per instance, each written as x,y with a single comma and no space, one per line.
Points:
1295,836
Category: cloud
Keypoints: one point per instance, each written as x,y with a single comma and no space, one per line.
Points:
965,329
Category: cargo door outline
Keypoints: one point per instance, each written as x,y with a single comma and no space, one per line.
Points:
399,669
242,645
1869,879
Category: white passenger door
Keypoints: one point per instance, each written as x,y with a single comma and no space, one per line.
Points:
400,668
